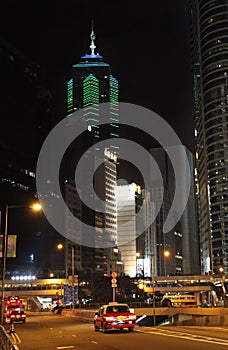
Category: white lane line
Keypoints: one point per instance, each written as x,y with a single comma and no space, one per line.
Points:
94,342
66,347
190,337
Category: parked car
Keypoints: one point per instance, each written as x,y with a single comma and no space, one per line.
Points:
114,316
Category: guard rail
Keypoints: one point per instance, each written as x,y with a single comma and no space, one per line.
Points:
6,343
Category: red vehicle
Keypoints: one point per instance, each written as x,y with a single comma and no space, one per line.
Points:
14,310
17,316
114,316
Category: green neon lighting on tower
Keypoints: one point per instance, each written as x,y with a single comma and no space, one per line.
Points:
91,102
114,107
70,98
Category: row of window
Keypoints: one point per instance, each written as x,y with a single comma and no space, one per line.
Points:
213,83
217,33
217,138
214,26
218,171
221,128
211,5
215,118
221,102
214,44
13,183
215,93
217,147
220,156
218,163
219,225
219,180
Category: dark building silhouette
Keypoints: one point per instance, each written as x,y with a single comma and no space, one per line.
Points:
27,117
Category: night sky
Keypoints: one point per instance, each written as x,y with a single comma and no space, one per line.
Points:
148,49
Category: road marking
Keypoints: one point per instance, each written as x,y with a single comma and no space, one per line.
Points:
15,338
188,336
66,347
94,342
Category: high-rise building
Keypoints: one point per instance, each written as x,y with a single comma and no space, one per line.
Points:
210,78
129,200
24,95
182,240
90,84
72,250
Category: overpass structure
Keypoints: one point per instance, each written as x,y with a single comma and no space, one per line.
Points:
53,287
50,287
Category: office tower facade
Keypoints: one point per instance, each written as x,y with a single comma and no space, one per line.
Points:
91,84
72,250
210,68
182,240
127,198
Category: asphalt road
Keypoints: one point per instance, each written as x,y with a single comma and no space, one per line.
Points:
60,332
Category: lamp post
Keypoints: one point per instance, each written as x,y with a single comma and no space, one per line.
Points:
60,247
166,254
35,207
153,291
72,270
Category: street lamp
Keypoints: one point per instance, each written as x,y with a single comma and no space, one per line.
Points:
153,282
72,268
221,269
36,207
60,247
166,254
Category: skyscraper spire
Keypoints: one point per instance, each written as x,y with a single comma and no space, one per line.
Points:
92,46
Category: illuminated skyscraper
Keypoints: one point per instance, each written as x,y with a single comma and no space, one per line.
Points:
210,47
91,84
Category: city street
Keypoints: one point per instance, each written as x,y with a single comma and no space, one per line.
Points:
49,332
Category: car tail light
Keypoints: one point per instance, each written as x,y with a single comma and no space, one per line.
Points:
23,315
12,316
132,317
109,318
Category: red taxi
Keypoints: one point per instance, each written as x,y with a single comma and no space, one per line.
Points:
114,316
15,315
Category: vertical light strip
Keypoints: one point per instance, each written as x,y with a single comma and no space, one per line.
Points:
70,98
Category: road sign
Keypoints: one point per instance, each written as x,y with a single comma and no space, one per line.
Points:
114,280
67,297
114,274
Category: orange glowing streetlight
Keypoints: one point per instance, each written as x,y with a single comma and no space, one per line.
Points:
166,253
221,269
60,246
36,206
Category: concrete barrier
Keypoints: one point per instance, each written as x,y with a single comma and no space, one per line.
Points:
86,315
203,321
177,316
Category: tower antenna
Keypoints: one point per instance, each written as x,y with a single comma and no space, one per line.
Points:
92,37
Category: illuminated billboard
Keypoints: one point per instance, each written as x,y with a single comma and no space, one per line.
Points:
11,246
143,267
